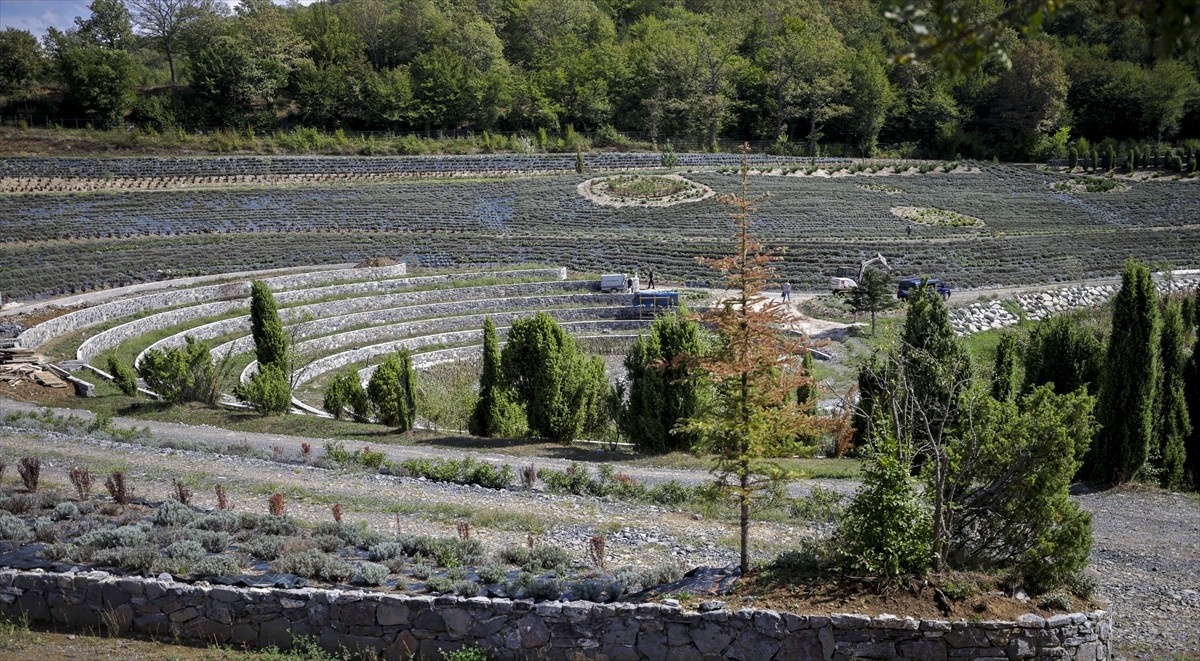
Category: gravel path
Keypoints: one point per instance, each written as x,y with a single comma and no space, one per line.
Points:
1146,550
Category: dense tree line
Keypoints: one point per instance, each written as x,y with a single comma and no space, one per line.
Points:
798,72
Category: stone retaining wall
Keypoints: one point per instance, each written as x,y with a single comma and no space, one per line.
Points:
380,286
73,321
415,334
363,303
398,626
979,317
102,168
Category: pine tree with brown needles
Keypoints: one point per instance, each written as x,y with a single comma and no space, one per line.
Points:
756,368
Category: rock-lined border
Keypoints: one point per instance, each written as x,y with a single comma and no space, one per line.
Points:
399,626
593,191
935,217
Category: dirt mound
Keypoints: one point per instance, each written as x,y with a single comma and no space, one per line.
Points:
375,262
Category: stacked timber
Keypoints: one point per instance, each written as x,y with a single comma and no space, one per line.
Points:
18,365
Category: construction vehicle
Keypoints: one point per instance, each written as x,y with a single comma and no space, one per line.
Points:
846,280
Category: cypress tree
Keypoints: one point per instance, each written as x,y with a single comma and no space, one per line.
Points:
485,419
662,387
806,392
935,363
270,342
1127,384
1192,392
1004,374
1072,159
1065,351
393,389
1171,426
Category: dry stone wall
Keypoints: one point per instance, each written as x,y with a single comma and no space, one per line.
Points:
448,330
398,626
72,321
364,303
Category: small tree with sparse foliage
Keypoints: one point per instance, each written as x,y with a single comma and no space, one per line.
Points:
345,391
755,368
184,374
873,294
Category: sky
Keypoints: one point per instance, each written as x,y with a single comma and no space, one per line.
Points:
37,15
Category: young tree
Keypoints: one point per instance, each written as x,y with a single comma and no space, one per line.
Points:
936,366
1192,392
663,388
346,391
874,294
1005,384
755,369
1127,384
185,374
124,376
546,371
1172,425
393,390
494,407
270,341
1066,351
268,391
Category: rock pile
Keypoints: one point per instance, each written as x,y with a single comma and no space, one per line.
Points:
989,315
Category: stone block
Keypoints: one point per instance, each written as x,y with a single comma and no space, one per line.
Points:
651,644
965,635
390,613
889,621
533,632
801,646
357,613
622,632
276,632
929,650
242,633
458,621
752,646
403,648
849,621
152,623
711,638
769,623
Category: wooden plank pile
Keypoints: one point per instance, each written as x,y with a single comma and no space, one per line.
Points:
18,365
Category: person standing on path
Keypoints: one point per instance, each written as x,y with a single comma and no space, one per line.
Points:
650,278
787,291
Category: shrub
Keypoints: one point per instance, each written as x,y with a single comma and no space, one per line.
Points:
589,590
174,513
393,389
108,538
138,558
269,391
217,565
492,574
370,573
120,491
222,498
187,550
65,511
19,503
184,374
213,541
314,564
123,376
265,547
328,543
466,588
422,571
30,469
439,584
346,391
545,589
45,531
220,520
659,574
182,493
13,529
385,551
887,531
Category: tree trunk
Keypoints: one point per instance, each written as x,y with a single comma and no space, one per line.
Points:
745,524
171,64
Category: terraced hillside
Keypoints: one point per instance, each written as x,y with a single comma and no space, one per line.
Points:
1030,232
338,318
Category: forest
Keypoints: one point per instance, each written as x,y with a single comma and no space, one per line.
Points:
805,77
